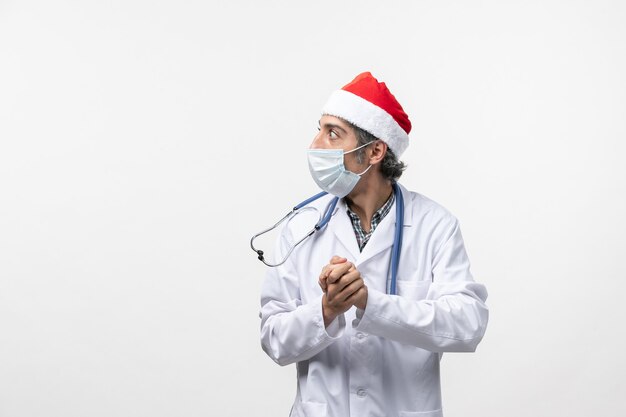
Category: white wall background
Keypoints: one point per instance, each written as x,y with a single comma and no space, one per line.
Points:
143,142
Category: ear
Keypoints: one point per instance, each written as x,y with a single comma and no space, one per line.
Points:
378,152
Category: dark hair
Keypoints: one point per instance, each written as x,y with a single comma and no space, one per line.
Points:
390,167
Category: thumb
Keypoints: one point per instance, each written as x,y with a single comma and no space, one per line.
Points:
337,260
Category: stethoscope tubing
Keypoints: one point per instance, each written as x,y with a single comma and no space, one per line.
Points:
328,212
298,208
397,239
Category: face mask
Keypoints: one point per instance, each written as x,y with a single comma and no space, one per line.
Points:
329,172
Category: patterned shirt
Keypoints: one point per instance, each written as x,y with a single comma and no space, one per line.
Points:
362,236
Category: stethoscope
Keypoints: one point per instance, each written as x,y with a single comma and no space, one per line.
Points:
323,221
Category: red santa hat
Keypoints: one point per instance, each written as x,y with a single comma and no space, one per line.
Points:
368,104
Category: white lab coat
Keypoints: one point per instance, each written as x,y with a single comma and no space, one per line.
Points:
382,361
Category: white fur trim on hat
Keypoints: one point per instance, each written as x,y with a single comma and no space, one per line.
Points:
369,117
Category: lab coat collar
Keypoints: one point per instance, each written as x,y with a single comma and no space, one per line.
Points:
381,239
342,228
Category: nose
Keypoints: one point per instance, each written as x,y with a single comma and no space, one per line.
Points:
316,144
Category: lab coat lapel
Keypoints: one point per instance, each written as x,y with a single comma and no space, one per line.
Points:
342,228
381,239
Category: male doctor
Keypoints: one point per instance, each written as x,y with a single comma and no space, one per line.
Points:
365,346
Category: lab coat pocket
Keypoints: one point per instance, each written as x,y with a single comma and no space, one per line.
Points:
414,290
310,409
434,413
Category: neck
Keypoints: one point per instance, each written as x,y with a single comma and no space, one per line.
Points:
369,197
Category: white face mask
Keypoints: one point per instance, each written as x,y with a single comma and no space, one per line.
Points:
329,172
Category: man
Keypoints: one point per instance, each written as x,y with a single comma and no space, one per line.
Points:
367,343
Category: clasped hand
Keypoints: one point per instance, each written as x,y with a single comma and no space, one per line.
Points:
343,288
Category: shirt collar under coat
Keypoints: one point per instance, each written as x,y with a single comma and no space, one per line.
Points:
381,239
362,236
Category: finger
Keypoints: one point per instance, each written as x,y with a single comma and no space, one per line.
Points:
336,290
332,291
355,296
337,260
337,271
338,283
323,284
324,274
350,290
325,271
347,279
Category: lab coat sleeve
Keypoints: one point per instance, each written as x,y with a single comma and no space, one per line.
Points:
292,331
451,318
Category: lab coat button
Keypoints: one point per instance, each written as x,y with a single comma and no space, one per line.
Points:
361,392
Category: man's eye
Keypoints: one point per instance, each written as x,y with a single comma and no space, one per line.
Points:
333,134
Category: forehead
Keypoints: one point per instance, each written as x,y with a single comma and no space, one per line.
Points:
327,120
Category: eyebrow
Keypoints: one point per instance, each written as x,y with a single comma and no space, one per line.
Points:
331,126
